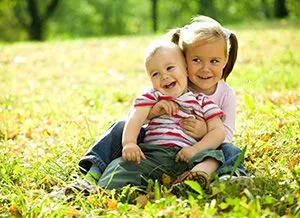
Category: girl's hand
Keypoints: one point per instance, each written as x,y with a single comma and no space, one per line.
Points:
132,152
194,127
163,107
185,154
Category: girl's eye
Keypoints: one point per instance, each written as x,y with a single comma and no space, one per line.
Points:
197,60
214,61
170,68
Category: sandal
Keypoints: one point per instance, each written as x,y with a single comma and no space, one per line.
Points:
80,186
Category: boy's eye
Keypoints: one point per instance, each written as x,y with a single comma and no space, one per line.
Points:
170,68
155,74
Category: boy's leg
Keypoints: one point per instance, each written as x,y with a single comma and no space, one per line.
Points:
120,173
233,155
105,150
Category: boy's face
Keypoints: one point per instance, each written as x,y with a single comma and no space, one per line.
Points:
167,71
205,62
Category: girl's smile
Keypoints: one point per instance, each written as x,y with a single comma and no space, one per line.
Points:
205,62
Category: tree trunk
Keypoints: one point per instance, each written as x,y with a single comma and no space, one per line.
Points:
206,7
265,8
37,20
280,9
154,15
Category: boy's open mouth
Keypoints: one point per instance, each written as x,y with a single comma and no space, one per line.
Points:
170,85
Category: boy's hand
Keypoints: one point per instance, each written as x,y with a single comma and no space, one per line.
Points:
132,152
194,127
185,154
163,107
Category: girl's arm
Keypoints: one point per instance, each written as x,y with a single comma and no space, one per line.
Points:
214,137
136,118
229,109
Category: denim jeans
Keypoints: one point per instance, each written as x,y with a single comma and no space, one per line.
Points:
109,147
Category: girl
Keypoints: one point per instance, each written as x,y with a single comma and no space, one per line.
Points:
207,73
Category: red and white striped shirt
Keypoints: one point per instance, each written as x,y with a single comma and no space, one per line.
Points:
165,130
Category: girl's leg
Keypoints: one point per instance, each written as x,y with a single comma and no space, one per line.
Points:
234,161
201,166
209,166
105,150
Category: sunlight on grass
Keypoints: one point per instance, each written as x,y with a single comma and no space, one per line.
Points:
58,97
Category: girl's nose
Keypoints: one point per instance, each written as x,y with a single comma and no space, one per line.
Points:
204,66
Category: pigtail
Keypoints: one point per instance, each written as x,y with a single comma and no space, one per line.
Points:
174,35
231,56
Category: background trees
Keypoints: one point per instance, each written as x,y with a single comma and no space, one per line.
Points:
39,20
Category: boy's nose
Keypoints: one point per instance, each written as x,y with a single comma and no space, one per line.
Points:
165,75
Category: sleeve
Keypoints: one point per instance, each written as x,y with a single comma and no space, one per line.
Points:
229,109
146,99
210,109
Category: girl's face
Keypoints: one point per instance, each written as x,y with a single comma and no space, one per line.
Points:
205,62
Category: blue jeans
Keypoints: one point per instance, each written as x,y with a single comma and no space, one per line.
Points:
109,147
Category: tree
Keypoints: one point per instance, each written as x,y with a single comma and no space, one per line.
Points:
206,7
265,8
154,14
35,25
280,9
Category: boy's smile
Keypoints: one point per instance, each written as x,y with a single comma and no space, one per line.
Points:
170,85
167,71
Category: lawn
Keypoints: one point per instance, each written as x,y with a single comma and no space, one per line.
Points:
57,97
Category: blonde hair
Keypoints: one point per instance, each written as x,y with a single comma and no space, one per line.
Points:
206,29
159,44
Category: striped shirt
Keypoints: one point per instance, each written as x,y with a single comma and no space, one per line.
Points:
165,130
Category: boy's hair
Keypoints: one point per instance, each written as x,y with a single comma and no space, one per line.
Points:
207,29
158,44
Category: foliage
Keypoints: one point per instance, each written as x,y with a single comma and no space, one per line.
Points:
90,18
58,97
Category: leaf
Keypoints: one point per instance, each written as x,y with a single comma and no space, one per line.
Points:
13,210
249,102
194,185
112,204
166,180
142,200
157,194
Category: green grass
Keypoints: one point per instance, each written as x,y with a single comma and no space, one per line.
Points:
57,97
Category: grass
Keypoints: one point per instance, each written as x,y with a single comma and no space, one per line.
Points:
57,97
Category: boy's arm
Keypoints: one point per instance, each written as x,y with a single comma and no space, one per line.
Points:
134,122
162,107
